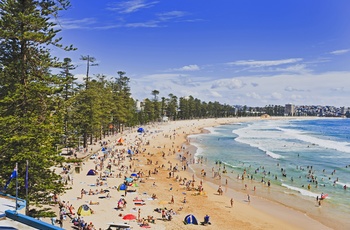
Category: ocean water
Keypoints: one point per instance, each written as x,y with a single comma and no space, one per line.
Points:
301,158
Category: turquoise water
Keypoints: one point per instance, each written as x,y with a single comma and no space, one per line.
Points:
302,157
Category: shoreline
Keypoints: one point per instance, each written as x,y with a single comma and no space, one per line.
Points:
267,195
281,211
242,215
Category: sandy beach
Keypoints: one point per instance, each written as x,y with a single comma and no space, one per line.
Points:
155,158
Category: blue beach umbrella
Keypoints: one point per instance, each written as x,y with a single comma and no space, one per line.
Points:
134,174
140,130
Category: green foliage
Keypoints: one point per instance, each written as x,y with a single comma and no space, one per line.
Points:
28,122
73,160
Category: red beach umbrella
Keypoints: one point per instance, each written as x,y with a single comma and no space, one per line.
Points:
129,217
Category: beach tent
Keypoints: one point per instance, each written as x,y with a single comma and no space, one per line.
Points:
122,187
120,140
130,151
91,172
84,210
140,130
190,219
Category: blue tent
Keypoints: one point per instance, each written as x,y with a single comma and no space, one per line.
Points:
91,172
190,219
122,187
140,130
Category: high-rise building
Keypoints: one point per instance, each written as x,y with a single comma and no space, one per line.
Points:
289,110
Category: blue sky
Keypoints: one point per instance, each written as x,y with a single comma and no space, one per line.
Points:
247,52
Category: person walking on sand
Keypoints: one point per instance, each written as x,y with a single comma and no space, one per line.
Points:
231,201
248,196
172,199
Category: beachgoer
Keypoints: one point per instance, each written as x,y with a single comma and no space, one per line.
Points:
172,199
82,193
163,214
231,201
248,196
206,220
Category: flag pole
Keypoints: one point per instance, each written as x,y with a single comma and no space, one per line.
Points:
26,185
16,187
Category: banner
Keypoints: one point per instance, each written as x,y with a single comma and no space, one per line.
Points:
13,175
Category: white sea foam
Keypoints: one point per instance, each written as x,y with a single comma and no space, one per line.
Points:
251,136
303,192
212,130
199,150
231,165
343,184
273,155
329,144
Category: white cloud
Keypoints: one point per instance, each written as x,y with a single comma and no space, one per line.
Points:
338,89
228,83
296,97
185,81
188,68
291,89
80,77
278,89
253,95
338,52
276,95
160,77
83,23
294,68
215,94
149,24
170,15
254,63
132,6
